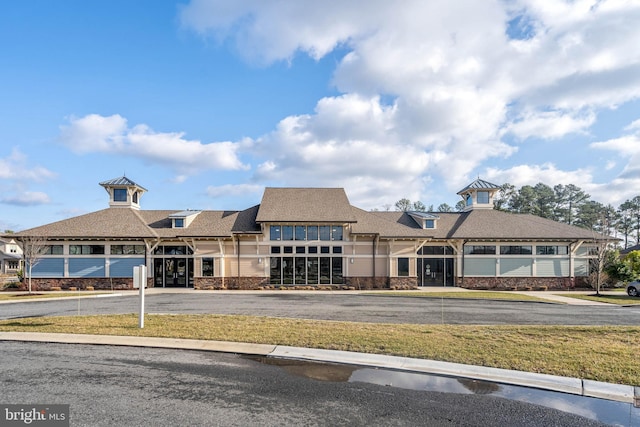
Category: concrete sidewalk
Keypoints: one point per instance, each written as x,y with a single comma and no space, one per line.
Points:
608,391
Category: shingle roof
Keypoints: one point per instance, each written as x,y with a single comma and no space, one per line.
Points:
305,205
311,205
135,224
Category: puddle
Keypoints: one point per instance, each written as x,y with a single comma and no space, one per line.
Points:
605,411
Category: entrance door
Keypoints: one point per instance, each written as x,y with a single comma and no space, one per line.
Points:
435,271
175,272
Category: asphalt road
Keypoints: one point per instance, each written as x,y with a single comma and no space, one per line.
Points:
107,386
342,307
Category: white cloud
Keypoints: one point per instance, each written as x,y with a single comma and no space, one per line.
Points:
430,89
16,167
546,173
95,133
27,198
551,124
234,190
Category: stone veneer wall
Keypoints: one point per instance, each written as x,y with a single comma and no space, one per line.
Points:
522,283
242,283
359,283
98,283
403,282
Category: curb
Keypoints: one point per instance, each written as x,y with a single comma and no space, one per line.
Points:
576,386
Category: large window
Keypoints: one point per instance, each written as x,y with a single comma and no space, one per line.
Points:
301,265
552,250
306,232
515,250
127,250
86,249
53,250
480,250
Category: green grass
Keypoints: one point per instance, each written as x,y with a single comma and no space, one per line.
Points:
510,296
602,353
611,299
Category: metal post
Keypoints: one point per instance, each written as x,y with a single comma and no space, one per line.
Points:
139,281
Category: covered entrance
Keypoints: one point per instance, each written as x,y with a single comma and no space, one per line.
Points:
172,267
435,266
173,272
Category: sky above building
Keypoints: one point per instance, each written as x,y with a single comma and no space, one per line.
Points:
207,102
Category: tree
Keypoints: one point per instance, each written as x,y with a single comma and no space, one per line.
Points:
32,249
568,199
504,199
403,205
599,264
419,206
624,223
445,208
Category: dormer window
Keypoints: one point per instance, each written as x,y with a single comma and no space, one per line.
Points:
119,194
183,219
425,220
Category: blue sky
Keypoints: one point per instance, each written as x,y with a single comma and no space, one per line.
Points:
206,102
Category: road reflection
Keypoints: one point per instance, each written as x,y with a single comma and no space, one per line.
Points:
605,411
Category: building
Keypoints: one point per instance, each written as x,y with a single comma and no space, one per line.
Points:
10,256
311,238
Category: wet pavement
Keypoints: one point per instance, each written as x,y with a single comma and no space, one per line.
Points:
606,411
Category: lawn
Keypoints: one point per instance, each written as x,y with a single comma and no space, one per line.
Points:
602,353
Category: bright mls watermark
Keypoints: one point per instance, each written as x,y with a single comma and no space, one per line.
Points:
34,415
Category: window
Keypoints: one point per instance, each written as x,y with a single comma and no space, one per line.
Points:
515,250
274,232
480,250
337,249
483,197
336,232
119,195
552,250
135,197
469,200
287,232
127,250
435,250
429,223
288,249
275,249
403,266
53,250
325,232
324,249
312,232
178,223
300,249
301,232
207,267
86,249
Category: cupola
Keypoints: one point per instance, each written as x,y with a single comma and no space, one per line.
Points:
123,193
478,195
